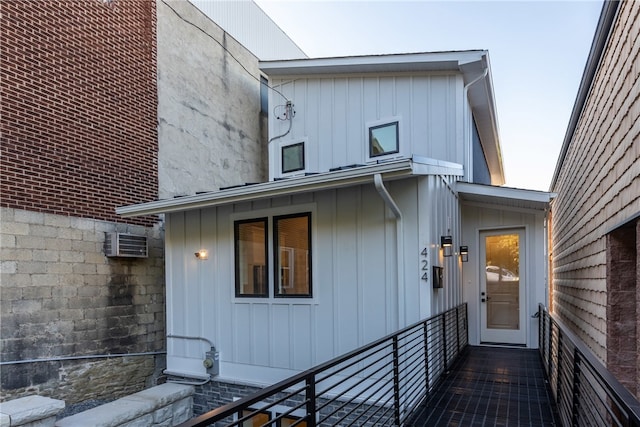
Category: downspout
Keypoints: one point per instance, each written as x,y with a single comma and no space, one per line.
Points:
388,200
466,123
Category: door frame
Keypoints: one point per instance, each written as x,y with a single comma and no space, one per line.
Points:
503,336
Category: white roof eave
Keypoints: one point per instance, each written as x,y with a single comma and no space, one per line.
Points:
505,196
290,186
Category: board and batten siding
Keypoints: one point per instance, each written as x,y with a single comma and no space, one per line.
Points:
477,218
332,115
598,184
359,294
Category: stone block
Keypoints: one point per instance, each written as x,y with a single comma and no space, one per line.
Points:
5,421
14,228
29,217
163,414
182,410
110,414
31,408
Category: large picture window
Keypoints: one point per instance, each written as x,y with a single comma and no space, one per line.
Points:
251,258
291,256
292,241
383,139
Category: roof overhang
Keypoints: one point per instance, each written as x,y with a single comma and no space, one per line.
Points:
291,186
504,197
473,65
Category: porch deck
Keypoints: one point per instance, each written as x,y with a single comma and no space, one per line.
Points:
491,386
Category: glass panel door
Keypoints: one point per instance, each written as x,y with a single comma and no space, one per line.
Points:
502,287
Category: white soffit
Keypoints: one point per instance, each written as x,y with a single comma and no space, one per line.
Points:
504,196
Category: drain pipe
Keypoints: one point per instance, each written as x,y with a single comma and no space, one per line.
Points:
210,362
388,200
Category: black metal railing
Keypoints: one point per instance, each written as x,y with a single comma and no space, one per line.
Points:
587,394
378,384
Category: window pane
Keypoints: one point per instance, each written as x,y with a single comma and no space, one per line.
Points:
383,139
259,419
503,281
251,258
293,158
293,244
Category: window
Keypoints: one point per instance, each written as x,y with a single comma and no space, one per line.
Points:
293,157
292,238
291,256
251,258
383,139
264,95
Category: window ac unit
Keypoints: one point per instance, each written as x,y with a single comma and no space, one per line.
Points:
125,245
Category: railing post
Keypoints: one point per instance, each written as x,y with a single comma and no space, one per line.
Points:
558,368
396,381
444,341
311,400
426,356
576,387
457,332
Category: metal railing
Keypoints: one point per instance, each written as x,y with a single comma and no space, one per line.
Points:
378,384
586,393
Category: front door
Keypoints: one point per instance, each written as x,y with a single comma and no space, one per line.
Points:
502,287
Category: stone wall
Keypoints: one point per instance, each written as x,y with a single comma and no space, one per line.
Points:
61,297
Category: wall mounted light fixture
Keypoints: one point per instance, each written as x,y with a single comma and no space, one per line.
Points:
447,245
202,254
464,253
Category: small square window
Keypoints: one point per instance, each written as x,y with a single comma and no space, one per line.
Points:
293,157
383,139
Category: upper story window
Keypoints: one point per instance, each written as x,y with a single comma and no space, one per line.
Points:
292,157
291,256
384,139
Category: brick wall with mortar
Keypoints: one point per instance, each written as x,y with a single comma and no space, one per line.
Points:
61,296
78,138
79,106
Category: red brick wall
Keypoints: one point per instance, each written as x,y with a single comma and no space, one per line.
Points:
79,106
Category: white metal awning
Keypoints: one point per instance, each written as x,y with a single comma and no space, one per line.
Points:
290,186
504,196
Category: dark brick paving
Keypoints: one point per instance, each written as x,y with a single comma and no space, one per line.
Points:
491,386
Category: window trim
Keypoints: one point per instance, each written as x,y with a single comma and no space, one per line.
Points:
382,124
236,228
304,159
276,252
270,213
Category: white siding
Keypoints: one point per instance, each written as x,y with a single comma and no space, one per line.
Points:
477,218
357,293
332,114
252,27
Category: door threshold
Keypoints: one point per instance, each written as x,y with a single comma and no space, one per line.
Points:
502,344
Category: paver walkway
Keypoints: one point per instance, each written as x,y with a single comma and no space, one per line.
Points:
491,386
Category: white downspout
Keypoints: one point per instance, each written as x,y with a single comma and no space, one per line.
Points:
467,124
388,200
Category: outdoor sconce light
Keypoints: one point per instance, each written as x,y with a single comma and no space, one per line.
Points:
464,253
447,245
202,254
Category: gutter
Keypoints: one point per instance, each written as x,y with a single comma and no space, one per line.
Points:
600,39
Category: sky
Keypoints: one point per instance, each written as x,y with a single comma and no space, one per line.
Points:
537,52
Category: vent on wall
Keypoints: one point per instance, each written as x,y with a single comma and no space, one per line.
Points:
125,245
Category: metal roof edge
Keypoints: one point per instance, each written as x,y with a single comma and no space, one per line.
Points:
507,192
600,38
320,181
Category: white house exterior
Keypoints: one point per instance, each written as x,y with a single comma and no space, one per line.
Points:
374,162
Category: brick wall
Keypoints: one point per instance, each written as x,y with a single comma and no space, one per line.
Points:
62,297
78,113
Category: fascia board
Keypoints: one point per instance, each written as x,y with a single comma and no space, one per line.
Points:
428,166
430,61
290,186
504,192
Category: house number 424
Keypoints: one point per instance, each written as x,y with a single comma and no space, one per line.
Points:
424,261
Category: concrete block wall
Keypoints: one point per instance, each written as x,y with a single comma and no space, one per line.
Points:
61,297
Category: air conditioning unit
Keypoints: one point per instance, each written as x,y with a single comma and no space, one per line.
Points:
125,245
